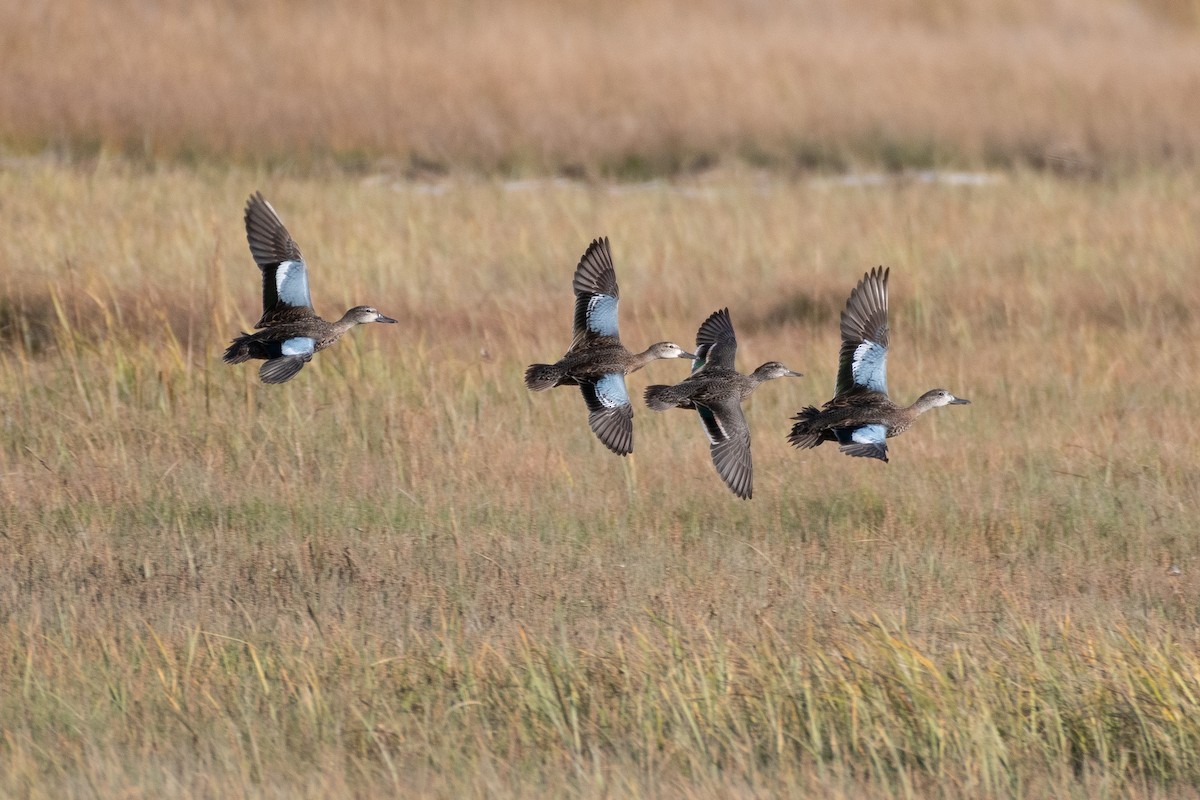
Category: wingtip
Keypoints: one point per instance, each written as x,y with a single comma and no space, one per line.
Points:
258,212
595,273
742,492
254,200
878,274
600,243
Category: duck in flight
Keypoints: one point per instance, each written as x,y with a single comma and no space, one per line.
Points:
716,391
290,330
596,361
861,417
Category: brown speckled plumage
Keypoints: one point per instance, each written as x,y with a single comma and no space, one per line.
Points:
861,416
715,390
596,361
291,332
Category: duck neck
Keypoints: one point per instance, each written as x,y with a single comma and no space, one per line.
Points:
921,405
642,359
767,372
345,323
757,377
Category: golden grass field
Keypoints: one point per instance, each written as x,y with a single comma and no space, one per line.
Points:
403,574
625,88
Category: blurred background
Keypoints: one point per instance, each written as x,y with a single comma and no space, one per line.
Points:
621,89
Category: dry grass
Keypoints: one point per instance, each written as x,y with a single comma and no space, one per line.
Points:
403,574
629,88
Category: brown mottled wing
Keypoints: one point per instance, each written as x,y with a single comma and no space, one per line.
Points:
716,344
729,445
596,295
863,358
285,276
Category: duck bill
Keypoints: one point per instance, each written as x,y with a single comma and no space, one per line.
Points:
960,401
793,374
382,318
686,355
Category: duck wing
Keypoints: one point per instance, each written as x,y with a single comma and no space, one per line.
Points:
866,441
285,276
863,357
716,344
287,357
729,444
610,413
596,295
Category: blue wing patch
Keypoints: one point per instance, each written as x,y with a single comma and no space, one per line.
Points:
869,367
299,346
291,283
865,441
602,315
611,391
869,434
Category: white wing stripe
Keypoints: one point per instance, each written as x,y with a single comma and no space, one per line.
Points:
713,440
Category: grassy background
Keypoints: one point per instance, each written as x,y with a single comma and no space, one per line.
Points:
625,88
403,574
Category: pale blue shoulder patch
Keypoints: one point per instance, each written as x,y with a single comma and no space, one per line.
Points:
869,366
291,282
299,346
611,391
602,315
870,434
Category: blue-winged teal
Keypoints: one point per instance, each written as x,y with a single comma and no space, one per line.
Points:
716,390
861,416
292,331
597,362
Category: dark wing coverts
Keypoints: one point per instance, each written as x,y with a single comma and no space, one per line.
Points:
716,344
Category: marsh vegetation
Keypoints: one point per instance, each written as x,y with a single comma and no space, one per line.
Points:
402,573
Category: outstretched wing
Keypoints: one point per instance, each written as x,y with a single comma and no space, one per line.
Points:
610,414
285,277
596,295
729,445
863,357
716,343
